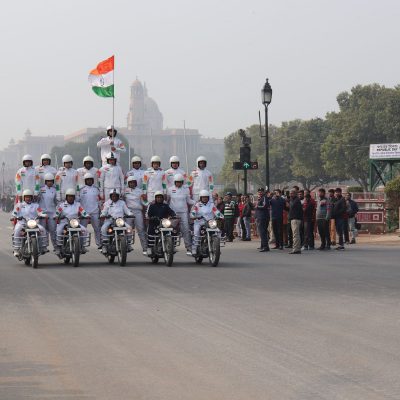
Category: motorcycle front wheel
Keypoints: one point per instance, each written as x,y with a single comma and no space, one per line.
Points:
215,251
76,251
169,251
35,253
122,251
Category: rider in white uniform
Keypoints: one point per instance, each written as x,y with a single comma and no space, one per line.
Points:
154,179
90,201
24,211
66,178
206,209
110,177
135,200
27,178
178,198
44,168
200,178
48,203
136,171
88,163
175,169
111,144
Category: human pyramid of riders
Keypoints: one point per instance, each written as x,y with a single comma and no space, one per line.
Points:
139,200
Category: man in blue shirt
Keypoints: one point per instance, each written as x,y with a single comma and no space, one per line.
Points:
277,206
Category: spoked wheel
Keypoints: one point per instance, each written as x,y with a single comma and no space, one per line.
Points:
76,251
169,251
122,251
35,253
215,251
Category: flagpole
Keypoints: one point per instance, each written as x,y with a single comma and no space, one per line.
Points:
186,154
113,104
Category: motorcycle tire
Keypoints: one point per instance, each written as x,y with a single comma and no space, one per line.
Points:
35,253
122,251
111,259
67,260
169,251
215,252
27,261
154,260
199,260
76,251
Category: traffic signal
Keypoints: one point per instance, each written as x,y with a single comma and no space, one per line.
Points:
245,154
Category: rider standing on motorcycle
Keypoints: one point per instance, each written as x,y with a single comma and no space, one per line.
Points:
114,208
27,178
70,209
200,179
23,212
111,144
48,202
179,200
154,179
44,168
90,201
110,177
158,210
175,169
203,211
136,171
88,163
135,201
66,178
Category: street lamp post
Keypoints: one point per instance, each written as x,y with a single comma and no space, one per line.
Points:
3,166
266,97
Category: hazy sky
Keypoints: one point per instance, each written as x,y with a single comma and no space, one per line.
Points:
203,61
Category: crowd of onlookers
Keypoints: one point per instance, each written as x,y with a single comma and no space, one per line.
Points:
7,203
291,219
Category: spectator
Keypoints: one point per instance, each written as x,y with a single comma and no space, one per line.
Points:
277,207
338,211
322,216
308,220
229,216
332,226
296,218
246,215
352,210
262,218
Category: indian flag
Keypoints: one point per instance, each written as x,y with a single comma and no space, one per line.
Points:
102,78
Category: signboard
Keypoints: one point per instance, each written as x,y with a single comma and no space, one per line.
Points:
237,165
370,217
384,151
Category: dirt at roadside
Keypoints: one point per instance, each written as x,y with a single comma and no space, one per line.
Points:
383,239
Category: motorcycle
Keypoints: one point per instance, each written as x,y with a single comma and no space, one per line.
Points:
118,241
165,240
72,242
209,243
30,243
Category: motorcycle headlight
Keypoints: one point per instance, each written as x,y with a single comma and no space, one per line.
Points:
120,222
166,223
31,224
74,223
212,223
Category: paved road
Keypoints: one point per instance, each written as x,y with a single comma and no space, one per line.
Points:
260,326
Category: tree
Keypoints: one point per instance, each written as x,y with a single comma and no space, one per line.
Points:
368,114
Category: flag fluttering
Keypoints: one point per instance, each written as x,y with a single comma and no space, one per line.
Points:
102,78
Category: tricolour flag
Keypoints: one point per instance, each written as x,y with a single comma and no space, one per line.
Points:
102,78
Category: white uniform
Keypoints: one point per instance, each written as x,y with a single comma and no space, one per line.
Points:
110,177
70,211
42,170
66,178
153,181
115,210
208,211
134,201
171,172
179,200
81,173
138,174
48,203
90,201
105,146
29,211
27,178
200,179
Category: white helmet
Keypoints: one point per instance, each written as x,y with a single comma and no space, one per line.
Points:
201,158
131,178
67,158
155,159
204,193
45,157
136,159
48,177
110,128
111,156
174,159
70,192
88,175
27,157
88,159
115,191
178,178
158,193
27,192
